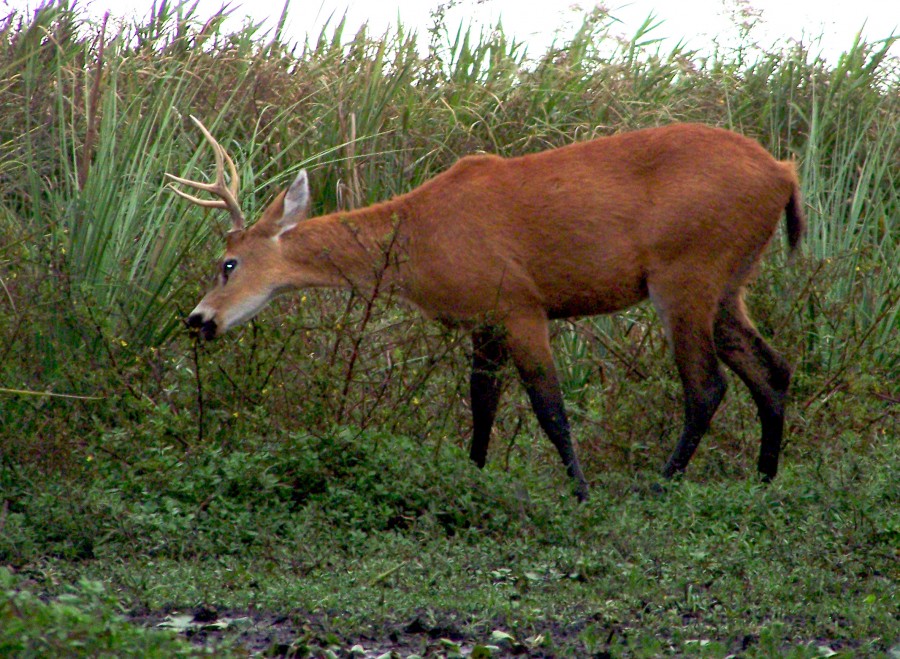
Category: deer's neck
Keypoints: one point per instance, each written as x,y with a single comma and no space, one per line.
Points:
361,249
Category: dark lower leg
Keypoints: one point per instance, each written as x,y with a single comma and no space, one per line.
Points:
770,402
529,344
770,447
547,403
488,355
766,374
704,388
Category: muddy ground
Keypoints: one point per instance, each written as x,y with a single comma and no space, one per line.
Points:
299,634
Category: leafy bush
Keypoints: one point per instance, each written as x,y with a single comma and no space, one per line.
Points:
84,622
342,486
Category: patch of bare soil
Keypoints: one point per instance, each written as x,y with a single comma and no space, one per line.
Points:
299,634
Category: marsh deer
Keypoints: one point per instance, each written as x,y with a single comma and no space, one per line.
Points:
680,214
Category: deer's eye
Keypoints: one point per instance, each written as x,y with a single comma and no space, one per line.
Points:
228,266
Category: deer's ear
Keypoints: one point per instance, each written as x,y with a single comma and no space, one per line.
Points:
296,201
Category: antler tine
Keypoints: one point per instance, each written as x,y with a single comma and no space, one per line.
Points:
228,194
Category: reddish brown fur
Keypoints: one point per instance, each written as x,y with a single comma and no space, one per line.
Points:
681,214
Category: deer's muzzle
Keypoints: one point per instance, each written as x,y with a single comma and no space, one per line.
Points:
206,328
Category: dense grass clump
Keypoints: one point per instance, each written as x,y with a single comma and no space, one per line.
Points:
308,474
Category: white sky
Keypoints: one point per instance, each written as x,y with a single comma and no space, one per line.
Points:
536,21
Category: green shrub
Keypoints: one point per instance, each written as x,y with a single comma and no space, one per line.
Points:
165,502
84,622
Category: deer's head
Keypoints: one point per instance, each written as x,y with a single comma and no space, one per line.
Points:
253,269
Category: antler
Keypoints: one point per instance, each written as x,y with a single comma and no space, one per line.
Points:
228,194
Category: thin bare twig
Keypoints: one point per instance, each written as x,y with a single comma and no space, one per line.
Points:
195,340
367,315
47,394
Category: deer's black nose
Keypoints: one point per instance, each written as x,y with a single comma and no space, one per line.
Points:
194,321
206,328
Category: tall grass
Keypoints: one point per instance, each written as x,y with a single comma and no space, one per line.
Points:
98,262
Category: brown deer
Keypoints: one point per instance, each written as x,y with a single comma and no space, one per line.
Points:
680,214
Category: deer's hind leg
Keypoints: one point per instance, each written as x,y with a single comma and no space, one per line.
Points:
687,310
765,372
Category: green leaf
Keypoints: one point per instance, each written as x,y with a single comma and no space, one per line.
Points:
481,652
499,636
180,622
